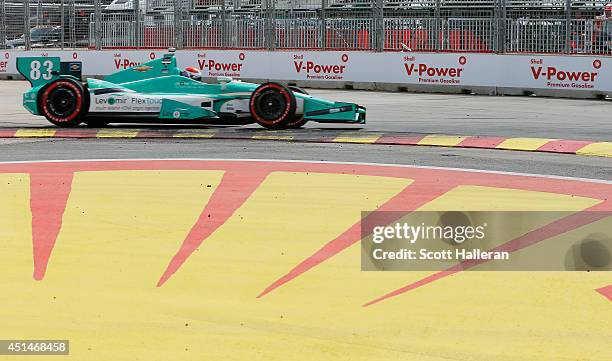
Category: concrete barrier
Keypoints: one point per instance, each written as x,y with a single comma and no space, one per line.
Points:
465,73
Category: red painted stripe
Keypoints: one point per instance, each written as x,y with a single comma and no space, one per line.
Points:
578,188
400,140
75,133
48,197
7,133
235,188
606,292
481,142
434,177
564,146
409,199
553,229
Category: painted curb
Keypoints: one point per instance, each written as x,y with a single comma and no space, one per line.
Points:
578,147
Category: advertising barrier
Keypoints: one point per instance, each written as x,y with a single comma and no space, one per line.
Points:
444,70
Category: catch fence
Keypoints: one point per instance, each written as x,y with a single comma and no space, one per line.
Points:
484,26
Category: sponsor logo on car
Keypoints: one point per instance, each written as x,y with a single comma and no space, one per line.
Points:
126,104
111,101
143,68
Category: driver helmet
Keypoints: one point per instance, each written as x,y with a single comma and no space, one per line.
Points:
608,10
193,73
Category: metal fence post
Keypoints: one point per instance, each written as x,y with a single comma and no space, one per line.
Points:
136,10
26,24
270,37
502,28
568,24
62,24
496,27
323,25
98,25
178,23
438,26
72,39
379,26
38,13
2,24
223,42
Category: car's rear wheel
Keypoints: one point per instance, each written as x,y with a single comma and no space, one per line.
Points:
63,102
273,105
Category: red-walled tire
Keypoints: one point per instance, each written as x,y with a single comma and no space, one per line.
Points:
272,105
297,122
64,102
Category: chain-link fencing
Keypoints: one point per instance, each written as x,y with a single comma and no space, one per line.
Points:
525,26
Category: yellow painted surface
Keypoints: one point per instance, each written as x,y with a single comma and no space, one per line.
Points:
602,149
34,133
116,133
477,198
196,134
356,137
273,137
442,140
523,143
121,228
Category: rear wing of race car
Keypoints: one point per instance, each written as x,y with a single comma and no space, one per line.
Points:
42,70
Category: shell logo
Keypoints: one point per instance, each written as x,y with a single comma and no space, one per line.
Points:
596,63
215,259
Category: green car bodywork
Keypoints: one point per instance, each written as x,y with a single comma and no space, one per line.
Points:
158,90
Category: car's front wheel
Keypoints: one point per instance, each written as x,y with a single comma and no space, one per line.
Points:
273,105
63,102
296,123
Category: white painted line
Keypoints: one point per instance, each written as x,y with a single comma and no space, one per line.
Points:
467,170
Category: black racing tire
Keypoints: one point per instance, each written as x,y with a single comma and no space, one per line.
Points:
296,123
297,89
64,102
273,105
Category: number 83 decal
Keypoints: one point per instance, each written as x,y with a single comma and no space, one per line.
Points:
36,73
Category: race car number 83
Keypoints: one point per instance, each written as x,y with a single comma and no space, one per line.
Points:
35,70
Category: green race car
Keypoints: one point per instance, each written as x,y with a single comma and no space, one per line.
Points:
160,92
